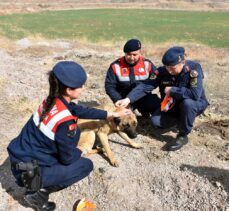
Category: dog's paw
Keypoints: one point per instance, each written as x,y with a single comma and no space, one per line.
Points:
114,163
137,146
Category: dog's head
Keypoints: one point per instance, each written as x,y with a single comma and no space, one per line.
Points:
127,124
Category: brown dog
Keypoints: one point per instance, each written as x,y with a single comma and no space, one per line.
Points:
125,127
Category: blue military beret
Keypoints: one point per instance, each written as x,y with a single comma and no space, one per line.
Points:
132,45
173,56
70,74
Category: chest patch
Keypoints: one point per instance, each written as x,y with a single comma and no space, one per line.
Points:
124,70
166,83
141,70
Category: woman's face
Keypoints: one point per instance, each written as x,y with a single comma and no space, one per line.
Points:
75,93
176,69
72,94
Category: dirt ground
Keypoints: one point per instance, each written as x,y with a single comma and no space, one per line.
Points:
148,179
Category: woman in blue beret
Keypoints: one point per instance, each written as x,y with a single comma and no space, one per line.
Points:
180,83
44,157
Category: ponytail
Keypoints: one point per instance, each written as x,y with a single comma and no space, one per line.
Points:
56,89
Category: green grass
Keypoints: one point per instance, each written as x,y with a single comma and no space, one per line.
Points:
113,25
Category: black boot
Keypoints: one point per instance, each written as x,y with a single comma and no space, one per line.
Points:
180,141
53,189
39,200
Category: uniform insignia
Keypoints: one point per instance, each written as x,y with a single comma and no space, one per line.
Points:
166,82
193,82
193,74
124,70
152,76
141,70
71,130
156,72
179,59
72,127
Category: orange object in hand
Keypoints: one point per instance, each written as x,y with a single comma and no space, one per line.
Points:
85,205
167,103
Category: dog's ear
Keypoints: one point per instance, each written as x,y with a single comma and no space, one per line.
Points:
117,120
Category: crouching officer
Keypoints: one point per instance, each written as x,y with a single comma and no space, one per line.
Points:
126,73
180,83
44,157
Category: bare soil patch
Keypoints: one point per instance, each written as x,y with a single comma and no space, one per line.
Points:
216,127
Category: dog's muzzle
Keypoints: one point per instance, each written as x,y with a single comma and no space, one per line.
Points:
130,133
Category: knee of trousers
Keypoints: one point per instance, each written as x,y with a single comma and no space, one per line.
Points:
88,165
187,105
78,174
155,121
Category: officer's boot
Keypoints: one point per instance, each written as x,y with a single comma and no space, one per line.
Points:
52,189
39,200
179,142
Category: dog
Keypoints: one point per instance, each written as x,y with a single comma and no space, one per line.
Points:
125,127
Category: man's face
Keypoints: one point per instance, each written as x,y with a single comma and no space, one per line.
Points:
176,69
132,57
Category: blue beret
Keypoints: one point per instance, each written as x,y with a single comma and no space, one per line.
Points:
173,56
132,45
70,74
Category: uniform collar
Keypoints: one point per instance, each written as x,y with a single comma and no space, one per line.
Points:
68,105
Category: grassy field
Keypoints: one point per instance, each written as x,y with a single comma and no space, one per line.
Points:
112,25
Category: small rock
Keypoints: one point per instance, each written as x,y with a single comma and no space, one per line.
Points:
94,86
24,43
101,170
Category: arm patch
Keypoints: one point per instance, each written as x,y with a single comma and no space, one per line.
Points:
153,76
193,74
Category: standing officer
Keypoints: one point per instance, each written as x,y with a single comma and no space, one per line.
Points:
126,73
180,81
44,157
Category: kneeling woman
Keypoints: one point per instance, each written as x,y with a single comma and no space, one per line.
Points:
49,139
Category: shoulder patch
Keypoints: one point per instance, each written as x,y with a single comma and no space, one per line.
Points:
71,130
72,126
156,72
193,74
153,76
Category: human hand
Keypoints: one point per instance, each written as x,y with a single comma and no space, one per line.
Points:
123,103
120,112
167,90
